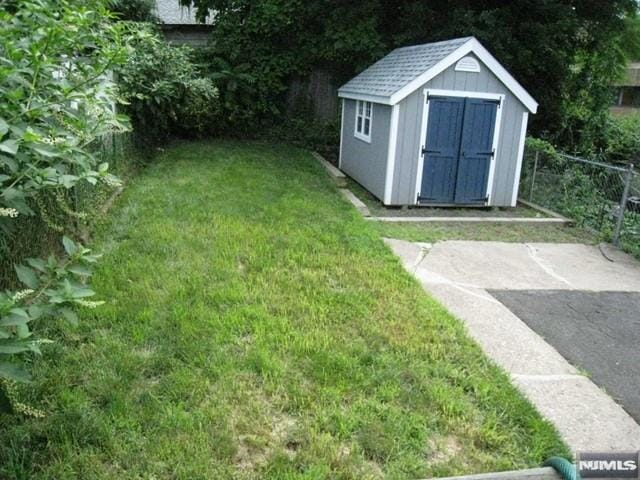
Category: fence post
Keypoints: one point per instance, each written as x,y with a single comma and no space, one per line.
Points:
623,204
533,175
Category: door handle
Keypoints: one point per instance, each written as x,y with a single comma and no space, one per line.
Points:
425,151
492,153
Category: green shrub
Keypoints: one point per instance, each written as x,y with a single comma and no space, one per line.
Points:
164,90
57,100
198,110
622,137
320,136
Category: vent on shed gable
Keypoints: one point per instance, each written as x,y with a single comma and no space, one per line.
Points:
467,64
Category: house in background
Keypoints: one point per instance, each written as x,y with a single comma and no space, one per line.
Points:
436,124
179,24
627,93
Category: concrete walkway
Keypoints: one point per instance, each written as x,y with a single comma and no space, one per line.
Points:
459,274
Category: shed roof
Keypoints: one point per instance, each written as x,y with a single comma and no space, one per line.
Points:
405,69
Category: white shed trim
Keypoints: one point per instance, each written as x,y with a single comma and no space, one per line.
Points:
423,140
471,46
497,128
342,127
516,178
365,97
391,154
496,132
462,93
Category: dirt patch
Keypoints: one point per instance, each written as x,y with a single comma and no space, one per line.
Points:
261,432
442,449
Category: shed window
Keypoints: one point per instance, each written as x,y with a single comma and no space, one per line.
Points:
363,120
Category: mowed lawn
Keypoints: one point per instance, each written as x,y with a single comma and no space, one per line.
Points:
256,326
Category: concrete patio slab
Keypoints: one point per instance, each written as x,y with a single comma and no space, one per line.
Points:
528,266
459,273
587,417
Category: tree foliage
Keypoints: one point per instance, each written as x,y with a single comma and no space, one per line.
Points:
565,52
133,10
164,90
57,100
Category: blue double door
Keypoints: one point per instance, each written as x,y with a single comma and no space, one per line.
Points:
458,150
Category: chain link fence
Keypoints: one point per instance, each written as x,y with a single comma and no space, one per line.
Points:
598,196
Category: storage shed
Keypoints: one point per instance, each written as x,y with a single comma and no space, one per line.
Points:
436,124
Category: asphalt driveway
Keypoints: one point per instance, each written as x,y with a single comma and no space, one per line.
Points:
561,319
599,332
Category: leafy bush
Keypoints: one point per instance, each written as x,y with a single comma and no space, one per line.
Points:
622,137
58,100
198,111
323,137
53,287
165,91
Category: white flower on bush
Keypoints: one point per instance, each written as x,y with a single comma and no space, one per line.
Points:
8,212
89,303
22,294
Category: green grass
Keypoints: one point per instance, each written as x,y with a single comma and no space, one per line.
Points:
502,232
257,327
377,209
435,232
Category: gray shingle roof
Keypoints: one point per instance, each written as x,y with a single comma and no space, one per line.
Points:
401,66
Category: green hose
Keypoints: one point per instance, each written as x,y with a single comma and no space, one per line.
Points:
565,468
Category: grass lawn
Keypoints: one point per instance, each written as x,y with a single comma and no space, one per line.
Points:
377,209
434,232
503,232
257,327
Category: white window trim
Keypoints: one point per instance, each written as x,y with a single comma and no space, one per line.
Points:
359,135
342,127
496,133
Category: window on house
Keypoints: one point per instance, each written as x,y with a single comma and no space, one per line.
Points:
363,120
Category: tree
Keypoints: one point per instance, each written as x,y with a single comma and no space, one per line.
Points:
134,10
565,52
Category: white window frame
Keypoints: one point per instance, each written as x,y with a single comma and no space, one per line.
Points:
360,134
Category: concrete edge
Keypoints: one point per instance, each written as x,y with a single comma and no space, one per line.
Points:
544,210
556,221
355,201
583,414
543,473
336,175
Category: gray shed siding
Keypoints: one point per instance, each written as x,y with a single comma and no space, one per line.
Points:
410,124
366,162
